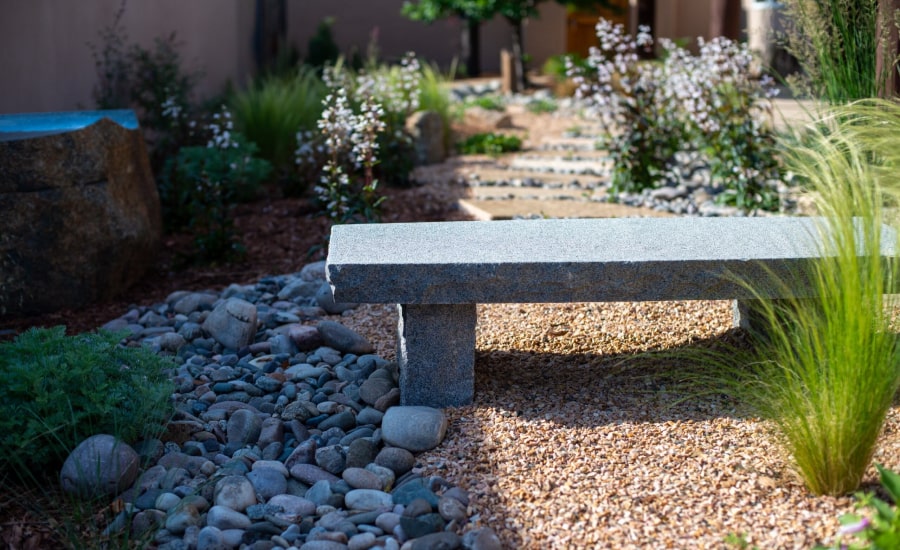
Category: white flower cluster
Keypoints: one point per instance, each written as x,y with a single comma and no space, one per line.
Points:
171,108
687,86
221,129
396,90
346,134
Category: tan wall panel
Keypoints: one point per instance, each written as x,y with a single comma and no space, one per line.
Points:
47,65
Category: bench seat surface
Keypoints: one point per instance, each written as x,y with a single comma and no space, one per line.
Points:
578,260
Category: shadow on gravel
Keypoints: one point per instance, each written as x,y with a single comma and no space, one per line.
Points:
589,390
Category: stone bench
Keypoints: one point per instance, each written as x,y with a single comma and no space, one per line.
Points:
439,271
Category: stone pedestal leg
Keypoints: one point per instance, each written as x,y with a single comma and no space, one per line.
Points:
436,353
749,314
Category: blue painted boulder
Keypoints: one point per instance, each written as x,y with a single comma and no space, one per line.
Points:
79,211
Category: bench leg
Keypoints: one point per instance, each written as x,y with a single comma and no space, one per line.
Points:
748,314
436,353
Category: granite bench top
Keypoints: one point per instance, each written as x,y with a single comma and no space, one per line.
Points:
572,260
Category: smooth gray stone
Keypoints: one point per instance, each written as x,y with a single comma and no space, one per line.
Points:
343,339
232,323
415,429
436,353
482,539
101,465
244,427
267,482
235,492
368,499
359,478
211,538
577,260
396,459
224,518
314,271
310,474
294,507
320,492
445,540
298,288
325,300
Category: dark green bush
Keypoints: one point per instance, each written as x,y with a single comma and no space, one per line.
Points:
322,50
201,186
55,391
489,144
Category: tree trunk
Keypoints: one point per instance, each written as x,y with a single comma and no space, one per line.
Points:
888,49
470,46
518,46
725,19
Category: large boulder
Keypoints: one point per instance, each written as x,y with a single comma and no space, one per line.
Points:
427,131
79,212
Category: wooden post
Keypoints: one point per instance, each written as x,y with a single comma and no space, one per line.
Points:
509,84
888,48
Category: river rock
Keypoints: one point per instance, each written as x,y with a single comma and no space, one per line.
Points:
101,465
343,339
232,323
414,428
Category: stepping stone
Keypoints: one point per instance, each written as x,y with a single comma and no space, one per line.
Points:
508,209
561,166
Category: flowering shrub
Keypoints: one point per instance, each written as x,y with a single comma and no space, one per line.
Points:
351,142
708,102
202,184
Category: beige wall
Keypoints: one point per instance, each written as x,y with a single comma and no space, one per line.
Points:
677,19
438,42
46,64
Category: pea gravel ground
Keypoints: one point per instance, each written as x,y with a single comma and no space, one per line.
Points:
576,441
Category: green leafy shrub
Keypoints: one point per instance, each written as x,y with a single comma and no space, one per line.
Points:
322,50
271,112
489,144
488,102
878,527
542,105
55,391
203,183
709,102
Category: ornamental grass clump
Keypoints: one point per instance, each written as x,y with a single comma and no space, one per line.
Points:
836,43
710,102
826,370
272,111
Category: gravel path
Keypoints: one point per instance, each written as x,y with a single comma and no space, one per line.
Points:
565,447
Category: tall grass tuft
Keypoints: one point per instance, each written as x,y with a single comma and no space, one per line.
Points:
835,42
273,110
434,96
826,370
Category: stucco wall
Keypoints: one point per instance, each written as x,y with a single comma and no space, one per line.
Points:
46,64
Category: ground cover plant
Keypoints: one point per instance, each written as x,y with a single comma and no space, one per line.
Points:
876,524
57,390
826,371
489,144
710,102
